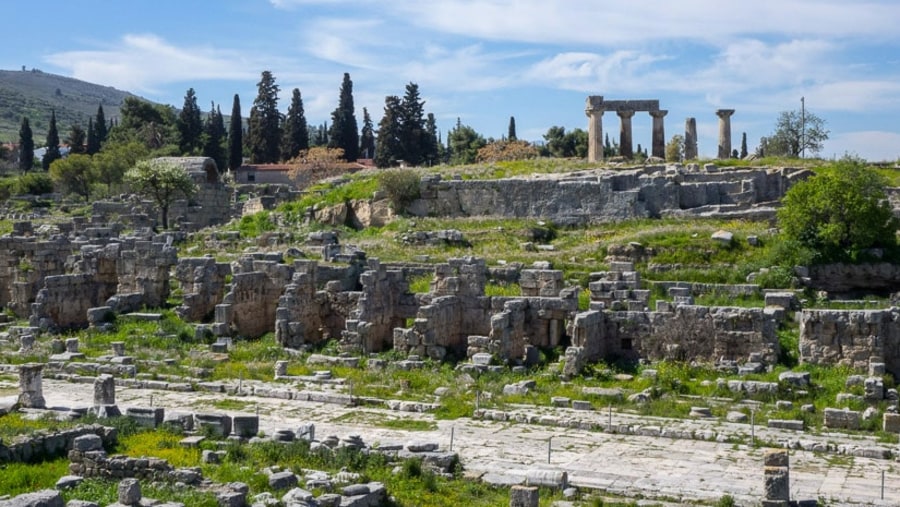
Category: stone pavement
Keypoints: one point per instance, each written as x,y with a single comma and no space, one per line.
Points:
501,452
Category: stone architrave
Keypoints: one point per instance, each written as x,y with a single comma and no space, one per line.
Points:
690,139
594,111
31,387
626,147
724,132
659,133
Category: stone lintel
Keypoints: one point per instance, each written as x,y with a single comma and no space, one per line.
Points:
632,105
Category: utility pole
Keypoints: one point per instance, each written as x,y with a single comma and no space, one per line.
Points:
802,127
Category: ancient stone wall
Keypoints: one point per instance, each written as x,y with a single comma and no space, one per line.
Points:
51,445
850,337
202,282
249,308
600,195
384,304
63,302
145,270
24,262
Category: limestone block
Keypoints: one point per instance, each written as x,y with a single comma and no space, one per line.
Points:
129,491
554,479
891,422
874,387
842,419
148,417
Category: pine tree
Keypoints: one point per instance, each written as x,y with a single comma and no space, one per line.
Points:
264,137
101,129
214,137
511,131
190,124
388,147
296,132
367,139
235,136
344,132
26,146
412,125
93,146
75,139
52,152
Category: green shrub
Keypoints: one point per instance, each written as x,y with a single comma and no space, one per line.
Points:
401,186
252,226
34,184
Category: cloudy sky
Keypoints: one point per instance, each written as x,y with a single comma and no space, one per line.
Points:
484,61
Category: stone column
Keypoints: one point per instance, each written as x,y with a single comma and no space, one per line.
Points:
31,386
690,139
626,147
594,111
659,134
724,132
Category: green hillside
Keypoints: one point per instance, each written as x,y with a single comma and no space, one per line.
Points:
33,93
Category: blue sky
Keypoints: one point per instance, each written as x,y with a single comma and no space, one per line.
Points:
484,61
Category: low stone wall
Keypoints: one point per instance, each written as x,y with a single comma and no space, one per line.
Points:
46,445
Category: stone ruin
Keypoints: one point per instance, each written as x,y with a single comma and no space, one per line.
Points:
596,105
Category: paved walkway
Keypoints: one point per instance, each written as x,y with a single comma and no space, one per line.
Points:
502,451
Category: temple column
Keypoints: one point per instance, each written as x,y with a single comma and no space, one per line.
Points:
724,132
659,134
594,111
626,148
690,139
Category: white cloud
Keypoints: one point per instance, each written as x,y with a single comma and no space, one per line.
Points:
873,145
617,71
142,63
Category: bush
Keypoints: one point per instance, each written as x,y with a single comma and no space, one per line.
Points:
839,212
34,184
401,186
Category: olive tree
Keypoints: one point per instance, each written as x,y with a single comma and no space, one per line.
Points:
163,181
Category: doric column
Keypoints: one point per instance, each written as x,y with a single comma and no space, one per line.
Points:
690,139
659,133
724,132
626,148
594,111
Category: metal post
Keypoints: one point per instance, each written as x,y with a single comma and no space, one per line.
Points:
257,410
882,484
752,429
452,430
477,395
802,127
549,446
609,428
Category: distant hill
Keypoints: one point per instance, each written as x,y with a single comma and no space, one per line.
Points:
33,93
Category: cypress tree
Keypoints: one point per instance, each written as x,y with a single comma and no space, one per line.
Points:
235,136
389,147
744,145
264,135
214,135
52,152
92,145
26,145
101,129
344,131
433,146
412,126
190,124
367,138
296,131
511,134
